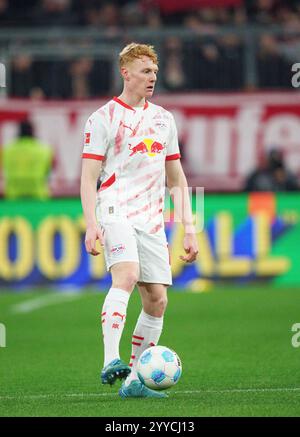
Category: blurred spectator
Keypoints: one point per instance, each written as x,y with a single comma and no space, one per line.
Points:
196,24
110,15
54,13
273,70
80,79
262,11
6,16
284,179
52,78
24,80
288,18
208,15
260,179
91,17
240,17
26,165
153,19
132,15
268,12
272,175
87,78
232,63
173,74
105,17
19,13
208,73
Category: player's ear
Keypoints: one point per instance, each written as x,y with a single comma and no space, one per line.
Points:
125,73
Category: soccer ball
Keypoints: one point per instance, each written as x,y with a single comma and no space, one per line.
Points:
159,367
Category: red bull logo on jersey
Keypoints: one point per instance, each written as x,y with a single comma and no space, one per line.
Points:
148,146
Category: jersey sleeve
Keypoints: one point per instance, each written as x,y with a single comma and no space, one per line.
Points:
95,137
173,151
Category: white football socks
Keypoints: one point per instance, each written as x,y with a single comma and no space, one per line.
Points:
113,321
146,333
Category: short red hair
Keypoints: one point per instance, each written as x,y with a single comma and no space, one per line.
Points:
135,51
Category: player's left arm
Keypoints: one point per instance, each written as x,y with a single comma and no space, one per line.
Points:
177,184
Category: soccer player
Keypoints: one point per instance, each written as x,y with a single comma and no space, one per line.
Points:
133,145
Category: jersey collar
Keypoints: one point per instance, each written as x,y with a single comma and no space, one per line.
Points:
116,99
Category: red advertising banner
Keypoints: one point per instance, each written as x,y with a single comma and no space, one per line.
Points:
222,136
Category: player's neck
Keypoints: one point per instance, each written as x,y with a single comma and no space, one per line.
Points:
132,100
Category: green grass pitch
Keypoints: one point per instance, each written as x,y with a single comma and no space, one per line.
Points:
235,345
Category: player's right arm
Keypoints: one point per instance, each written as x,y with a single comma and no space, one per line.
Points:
91,169
94,151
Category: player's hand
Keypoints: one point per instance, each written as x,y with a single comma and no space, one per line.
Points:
92,235
190,246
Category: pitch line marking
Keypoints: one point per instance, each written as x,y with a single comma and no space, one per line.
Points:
43,301
95,395
241,390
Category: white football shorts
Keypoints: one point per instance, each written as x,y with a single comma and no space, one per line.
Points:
123,243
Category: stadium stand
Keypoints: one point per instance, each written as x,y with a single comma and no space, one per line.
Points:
229,45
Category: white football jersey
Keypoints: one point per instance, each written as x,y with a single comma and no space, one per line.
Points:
133,144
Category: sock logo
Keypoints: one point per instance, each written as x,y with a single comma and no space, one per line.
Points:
115,326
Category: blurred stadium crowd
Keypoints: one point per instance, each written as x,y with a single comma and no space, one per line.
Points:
208,60
152,13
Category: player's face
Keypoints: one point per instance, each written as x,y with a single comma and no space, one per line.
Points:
141,76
